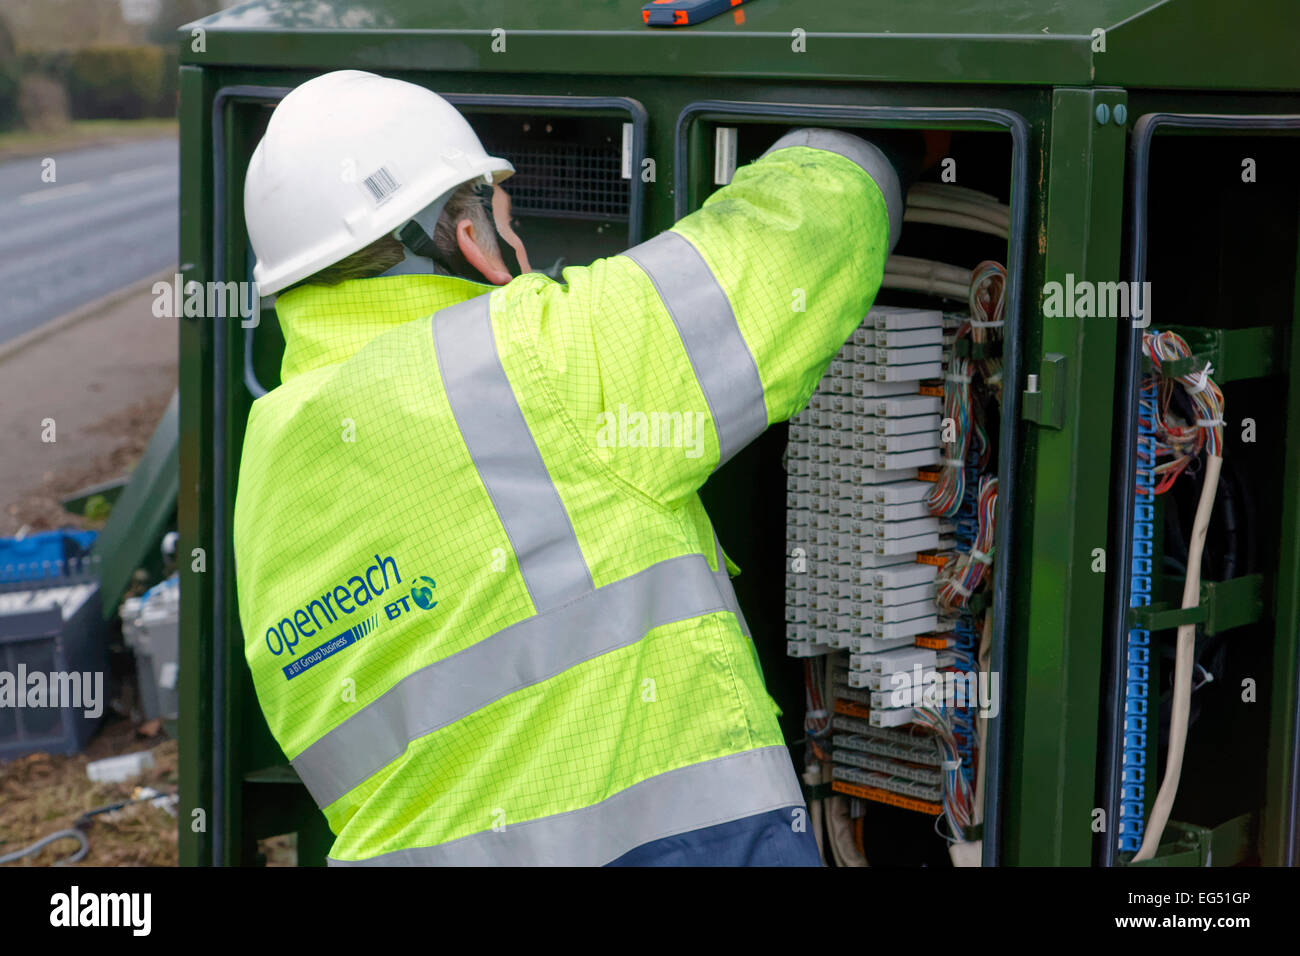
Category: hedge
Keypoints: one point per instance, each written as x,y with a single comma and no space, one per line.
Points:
10,79
10,76
112,82
115,82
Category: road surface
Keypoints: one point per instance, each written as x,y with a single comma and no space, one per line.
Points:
109,219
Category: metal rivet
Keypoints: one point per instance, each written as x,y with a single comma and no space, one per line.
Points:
1103,114
1121,114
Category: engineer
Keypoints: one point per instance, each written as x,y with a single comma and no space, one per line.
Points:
486,627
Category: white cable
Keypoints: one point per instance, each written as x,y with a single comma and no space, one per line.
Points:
956,192
994,213
830,836
956,220
911,283
840,825
1183,666
912,266
69,834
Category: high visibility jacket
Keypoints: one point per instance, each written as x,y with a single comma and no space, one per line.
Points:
485,611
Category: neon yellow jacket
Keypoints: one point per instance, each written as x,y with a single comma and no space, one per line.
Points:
484,609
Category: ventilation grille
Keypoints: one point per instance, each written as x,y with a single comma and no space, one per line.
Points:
567,181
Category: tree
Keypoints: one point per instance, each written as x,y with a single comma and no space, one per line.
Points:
10,76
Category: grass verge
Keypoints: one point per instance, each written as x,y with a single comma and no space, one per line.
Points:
80,134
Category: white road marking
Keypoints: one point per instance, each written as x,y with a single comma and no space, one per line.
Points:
148,172
58,192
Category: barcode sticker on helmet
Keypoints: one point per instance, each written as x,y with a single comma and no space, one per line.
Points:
381,184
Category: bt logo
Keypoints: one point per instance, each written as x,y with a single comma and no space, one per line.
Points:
421,593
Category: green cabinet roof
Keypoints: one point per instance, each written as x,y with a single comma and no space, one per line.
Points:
1169,43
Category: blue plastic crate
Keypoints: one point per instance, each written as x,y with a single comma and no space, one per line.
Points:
39,557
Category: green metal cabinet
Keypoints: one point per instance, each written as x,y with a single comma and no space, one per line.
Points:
1051,94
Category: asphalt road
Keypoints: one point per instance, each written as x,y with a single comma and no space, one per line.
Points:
110,218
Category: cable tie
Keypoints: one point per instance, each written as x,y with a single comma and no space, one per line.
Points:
816,714
964,592
957,378
1208,677
977,555
954,463
952,764
977,324
1210,422
1202,379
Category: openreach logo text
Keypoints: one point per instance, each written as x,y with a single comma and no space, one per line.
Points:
207,300
634,429
319,614
75,690
75,908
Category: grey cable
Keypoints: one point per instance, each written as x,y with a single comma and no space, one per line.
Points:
53,837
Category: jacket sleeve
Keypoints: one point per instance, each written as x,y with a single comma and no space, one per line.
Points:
673,356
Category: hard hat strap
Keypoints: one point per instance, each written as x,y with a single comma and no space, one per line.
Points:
417,234
413,236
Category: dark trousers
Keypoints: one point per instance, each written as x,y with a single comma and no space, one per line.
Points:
776,838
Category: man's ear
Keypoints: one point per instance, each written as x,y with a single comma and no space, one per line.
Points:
491,267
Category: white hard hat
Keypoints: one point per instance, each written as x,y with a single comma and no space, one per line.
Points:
348,157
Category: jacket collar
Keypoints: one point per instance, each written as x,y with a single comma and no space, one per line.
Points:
325,325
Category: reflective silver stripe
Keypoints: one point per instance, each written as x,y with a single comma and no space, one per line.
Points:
531,651
722,361
506,456
701,795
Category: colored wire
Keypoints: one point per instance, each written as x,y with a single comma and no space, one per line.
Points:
988,299
961,578
1179,442
945,497
817,718
957,799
